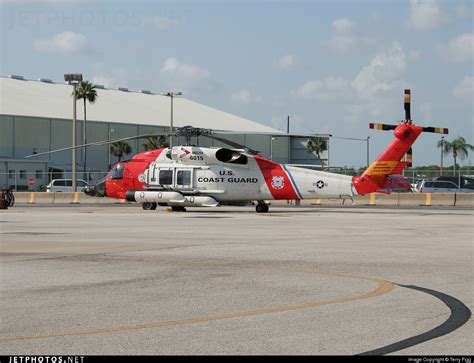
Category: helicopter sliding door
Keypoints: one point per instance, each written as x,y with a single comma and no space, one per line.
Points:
183,179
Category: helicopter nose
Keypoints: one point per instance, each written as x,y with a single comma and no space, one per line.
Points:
97,190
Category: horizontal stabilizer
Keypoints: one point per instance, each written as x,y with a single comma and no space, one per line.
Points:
397,182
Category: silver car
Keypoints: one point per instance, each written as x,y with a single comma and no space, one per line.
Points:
65,185
440,186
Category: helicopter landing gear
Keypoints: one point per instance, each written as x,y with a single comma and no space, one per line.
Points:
176,208
149,206
261,207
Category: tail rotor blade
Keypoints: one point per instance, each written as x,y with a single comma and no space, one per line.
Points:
436,130
383,127
407,105
409,157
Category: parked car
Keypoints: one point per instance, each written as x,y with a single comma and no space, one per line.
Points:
65,185
414,182
440,186
466,183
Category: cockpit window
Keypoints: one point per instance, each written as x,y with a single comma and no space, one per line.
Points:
117,172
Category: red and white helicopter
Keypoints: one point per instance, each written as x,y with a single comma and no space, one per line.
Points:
194,176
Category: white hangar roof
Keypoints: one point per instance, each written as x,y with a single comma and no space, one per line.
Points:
53,100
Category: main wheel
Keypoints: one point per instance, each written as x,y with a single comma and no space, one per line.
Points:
149,206
261,208
176,208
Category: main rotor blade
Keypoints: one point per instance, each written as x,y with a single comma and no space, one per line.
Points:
268,134
233,144
97,143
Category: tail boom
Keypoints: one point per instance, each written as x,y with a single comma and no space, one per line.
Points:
382,173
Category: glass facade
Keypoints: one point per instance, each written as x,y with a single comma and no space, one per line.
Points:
21,136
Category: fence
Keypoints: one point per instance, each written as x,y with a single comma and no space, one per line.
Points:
27,180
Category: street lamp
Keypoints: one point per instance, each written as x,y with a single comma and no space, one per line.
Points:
442,151
271,147
171,95
73,79
110,131
368,159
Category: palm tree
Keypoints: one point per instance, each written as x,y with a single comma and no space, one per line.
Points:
155,142
317,145
458,147
120,148
87,92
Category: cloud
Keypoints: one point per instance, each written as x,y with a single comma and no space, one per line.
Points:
382,73
343,26
107,82
182,76
66,43
464,11
459,49
345,37
425,15
285,63
110,77
372,94
465,89
244,97
330,88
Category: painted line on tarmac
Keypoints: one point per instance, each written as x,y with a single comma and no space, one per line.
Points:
460,314
383,287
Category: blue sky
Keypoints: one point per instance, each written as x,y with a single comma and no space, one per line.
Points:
333,66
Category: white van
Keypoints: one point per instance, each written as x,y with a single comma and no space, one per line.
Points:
65,185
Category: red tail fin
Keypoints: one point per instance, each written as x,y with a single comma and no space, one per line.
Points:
377,175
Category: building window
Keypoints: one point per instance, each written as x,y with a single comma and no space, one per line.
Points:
11,174
22,174
39,174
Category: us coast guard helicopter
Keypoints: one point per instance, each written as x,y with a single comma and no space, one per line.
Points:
194,176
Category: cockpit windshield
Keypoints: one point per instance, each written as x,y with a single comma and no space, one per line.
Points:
117,172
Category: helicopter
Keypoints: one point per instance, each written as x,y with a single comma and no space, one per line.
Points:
193,176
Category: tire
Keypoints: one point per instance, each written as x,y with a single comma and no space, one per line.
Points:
261,208
149,206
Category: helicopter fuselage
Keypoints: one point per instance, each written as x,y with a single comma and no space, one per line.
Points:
189,175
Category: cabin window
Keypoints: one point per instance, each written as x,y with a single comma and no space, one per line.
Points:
183,177
165,177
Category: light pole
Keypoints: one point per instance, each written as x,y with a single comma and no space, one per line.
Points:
368,158
110,131
271,147
442,151
73,79
171,95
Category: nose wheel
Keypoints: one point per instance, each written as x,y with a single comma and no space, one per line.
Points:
262,207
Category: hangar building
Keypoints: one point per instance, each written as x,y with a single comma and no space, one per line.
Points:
36,116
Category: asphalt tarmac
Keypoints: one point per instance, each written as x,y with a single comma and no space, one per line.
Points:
80,280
